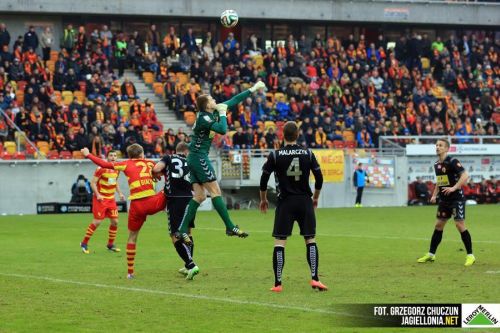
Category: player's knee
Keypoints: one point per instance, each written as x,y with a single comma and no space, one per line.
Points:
132,237
97,222
440,225
280,241
310,239
200,197
460,226
114,222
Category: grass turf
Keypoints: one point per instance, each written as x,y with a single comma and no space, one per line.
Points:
367,255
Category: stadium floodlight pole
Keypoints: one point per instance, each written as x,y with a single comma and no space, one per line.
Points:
13,124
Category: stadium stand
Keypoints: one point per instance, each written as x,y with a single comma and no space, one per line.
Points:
345,93
352,91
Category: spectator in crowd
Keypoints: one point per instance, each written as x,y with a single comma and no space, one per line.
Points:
4,36
30,40
121,53
46,42
106,38
69,38
153,39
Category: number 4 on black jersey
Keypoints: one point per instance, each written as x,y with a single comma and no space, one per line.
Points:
292,166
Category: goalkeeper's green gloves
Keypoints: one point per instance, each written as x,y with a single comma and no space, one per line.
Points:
222,109
257,86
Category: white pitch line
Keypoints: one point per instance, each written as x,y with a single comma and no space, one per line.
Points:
492,272
183,295
359,236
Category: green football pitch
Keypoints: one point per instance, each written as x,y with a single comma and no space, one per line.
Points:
367,255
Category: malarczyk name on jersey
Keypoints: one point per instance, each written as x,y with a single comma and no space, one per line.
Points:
292,152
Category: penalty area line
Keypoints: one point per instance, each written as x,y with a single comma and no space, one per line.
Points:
175,294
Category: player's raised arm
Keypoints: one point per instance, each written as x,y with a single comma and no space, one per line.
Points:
102,163
243,95
221,125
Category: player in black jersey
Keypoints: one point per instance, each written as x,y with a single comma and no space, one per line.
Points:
179,192
450,176
292,165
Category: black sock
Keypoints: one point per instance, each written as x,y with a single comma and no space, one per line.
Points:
191,246
467,241
184,253
435,240
313,259
278,263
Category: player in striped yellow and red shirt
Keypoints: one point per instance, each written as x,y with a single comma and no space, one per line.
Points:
143,198
104,185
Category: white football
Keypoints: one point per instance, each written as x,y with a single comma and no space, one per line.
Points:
229,18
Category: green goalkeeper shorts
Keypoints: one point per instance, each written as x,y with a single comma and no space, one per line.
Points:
200,169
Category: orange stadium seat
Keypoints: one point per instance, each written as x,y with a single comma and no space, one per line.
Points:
279,97
158,88
54,55
258,61
65,155
30,150
337,144
77,155
6,156
348,135
20,97
83,86
10,147
58,95
80,96
20,156
21,85
53,155
182,78
67,97
51,65
43,147
125,106
350,144
148,77
268,124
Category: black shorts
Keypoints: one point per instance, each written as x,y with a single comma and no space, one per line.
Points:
448,208
294,208
176,206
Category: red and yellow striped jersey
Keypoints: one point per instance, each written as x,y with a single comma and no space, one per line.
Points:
107,181
139,175
138,172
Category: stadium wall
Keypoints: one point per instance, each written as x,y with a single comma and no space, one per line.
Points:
26,183
438,12
23,184
343,194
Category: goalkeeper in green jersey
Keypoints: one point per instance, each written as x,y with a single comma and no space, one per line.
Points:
210,117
